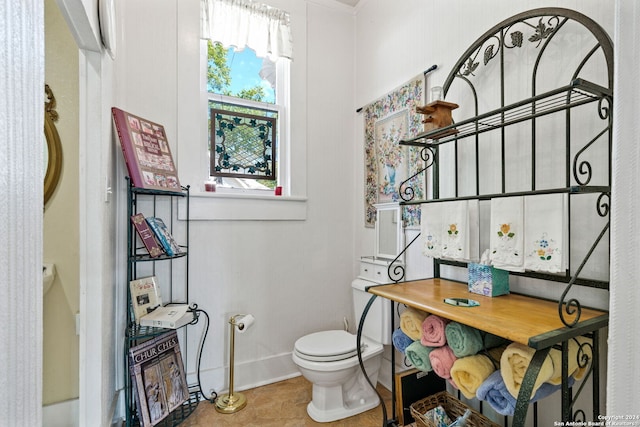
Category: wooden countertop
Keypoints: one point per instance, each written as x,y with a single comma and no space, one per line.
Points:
527,320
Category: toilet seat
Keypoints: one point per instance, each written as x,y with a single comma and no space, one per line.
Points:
327,346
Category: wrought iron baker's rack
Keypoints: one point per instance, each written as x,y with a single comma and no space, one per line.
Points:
539,29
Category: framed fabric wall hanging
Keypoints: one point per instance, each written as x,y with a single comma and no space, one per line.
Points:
387,165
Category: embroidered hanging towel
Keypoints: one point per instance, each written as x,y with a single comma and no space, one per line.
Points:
507,233
473,253
545,235
460,230
430,229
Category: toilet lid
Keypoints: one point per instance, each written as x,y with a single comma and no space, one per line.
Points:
326,346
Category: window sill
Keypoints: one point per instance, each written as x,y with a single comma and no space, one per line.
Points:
226,206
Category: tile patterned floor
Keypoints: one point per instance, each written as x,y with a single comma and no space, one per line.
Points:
282,404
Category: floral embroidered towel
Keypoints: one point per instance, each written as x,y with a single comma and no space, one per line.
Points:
473,253
507,233
545,219
430,229
460,230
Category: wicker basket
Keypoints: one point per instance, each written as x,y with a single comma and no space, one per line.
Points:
452,406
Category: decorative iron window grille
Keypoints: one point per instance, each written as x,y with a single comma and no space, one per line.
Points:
243,145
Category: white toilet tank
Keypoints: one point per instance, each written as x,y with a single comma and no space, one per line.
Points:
377,324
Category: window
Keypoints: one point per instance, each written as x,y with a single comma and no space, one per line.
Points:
223,21
245,121
249,48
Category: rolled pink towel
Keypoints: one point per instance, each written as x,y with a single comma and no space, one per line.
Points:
433,331
442,360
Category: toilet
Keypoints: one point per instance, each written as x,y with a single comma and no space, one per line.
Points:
329,360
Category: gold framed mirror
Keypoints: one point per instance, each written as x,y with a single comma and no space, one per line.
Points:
53,149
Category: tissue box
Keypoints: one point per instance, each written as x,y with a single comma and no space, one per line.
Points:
488,280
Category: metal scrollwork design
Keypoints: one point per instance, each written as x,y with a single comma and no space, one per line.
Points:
582,171
579,416
585,350
490,51
543,31
516,40
406,191
572,308
470,65
602,206
604,111
428,156
395,272
583,355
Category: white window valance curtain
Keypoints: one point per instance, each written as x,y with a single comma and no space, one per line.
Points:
242,23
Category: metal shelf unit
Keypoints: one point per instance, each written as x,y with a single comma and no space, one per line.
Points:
138,257
568,320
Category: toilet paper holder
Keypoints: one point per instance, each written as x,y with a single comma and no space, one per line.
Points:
233,402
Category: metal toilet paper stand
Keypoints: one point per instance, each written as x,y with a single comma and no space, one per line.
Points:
233,402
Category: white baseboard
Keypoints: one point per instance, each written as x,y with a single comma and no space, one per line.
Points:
384,375
261,372
63,414
248,374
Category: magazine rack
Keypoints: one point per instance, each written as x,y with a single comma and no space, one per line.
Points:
172,273
573,119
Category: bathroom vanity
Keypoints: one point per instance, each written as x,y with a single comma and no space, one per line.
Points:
376,270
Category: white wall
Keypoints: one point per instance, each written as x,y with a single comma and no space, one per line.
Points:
293,276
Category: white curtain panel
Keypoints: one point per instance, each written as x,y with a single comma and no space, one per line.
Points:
623,387
242,23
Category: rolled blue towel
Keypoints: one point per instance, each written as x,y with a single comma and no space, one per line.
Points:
400,340
463,340
494,391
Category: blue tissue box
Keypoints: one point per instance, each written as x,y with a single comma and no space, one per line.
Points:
487,280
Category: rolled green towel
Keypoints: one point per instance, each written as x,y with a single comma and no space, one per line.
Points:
463,340
491,341
418,355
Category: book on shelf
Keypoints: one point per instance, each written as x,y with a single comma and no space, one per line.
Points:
164,236
145,296
157,373
146,152
169,316
147,236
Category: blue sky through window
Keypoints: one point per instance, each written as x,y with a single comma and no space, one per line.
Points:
245,69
